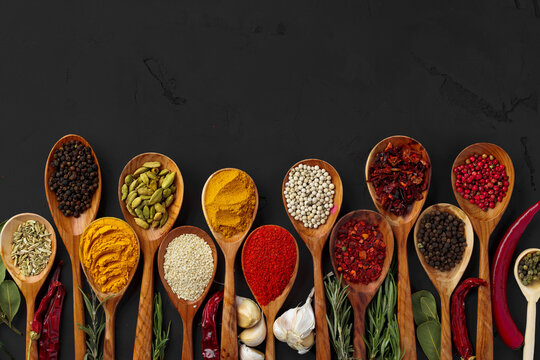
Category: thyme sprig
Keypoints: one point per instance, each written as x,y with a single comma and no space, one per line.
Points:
339,322
161,337
94,329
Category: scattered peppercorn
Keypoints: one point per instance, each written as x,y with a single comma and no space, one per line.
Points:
359,251
75,179
441,239
399,177
529,268
482,180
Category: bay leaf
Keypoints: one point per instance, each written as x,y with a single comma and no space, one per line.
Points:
10,299
418,313
429,307
429,337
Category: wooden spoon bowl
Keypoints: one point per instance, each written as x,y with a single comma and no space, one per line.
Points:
360,294
70,230
401,226
30,285
315,239
229,247
186,309
111,299
484,223
531,293
150,239
446,281
271,309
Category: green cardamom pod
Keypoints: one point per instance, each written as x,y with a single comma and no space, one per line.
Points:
169,201
146,197
159,207
155,171
144,178
134,184
128,179
136,202
163,219
153,185
141,223
169,179
155,224
140,170
152,164
132,195
156,197
131,211
167,192
146,211
152,212
164,172
151,175
173,188
140,214
125,191
158,216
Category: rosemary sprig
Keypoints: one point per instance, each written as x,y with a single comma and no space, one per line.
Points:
382,331
95,328
339,325
161,337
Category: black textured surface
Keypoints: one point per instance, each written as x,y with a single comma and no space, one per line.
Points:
258,86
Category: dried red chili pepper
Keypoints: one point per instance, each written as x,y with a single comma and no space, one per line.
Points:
269,258
49,342
209,343
359,251
398,175
459,323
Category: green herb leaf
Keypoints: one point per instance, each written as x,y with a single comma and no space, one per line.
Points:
10,299
429,337
423,313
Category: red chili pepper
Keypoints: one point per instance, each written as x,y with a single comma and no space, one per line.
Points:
49,342
504,322
459,324
209,343
43,305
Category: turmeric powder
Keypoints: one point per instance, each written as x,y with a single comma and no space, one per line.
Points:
229,202
109,250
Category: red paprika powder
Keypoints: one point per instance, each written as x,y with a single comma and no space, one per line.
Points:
269,258
359,252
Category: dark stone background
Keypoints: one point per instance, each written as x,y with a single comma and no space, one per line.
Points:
259,85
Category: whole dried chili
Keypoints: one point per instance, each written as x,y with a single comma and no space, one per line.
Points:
359,251
269,258
209,343
49,342
459,323
399,177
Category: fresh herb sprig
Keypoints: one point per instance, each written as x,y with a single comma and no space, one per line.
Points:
161,337
382,331
10,297
339,322
95,328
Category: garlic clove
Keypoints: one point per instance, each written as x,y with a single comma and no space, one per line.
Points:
247,353
307,343
305,320
248,312
255,335
284,324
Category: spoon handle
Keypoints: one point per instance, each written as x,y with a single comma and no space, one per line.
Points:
321,326
484,325
359,328
270,350
31,351
446,330
78,309
187,338
229,341
143,336
405,314
528,349
108,342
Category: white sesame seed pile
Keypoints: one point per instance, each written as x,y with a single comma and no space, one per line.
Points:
188,266
310,195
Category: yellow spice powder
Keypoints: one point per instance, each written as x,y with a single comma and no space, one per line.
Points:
230,201
109,251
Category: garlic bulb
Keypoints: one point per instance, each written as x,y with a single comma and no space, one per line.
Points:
247,353
295,327
255,335
248,312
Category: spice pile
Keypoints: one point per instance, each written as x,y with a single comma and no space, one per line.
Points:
441,239
148,192
359,251
482,180
229,201
309,193
109,250
529,268
269,258
399,176
188,266
31,248
76,177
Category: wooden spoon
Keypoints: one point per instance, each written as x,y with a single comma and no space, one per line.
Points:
70,230
30,285
185,308
446,281
315,239
401,226
111,299
271,309
531,293
229,247
484,223
150,240
359,294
